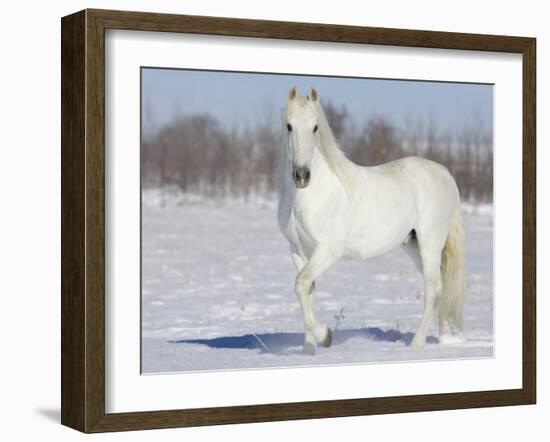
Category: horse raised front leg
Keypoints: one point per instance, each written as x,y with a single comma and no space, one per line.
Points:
315,331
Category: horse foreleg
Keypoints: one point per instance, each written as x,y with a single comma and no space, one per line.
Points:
315,331
300,262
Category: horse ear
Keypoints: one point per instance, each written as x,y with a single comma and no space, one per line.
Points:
292,94
313,96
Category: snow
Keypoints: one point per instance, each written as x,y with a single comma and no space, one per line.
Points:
217,292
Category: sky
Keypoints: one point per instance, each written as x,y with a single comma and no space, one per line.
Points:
243,100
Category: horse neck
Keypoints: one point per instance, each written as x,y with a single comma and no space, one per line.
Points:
323,179
320,167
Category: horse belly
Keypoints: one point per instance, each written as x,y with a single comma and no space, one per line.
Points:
378,232
370,246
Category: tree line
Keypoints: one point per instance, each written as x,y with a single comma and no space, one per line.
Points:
198,154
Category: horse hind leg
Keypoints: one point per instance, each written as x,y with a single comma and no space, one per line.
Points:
410,247
430,254
448,333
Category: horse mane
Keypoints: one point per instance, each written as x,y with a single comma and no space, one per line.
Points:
336,159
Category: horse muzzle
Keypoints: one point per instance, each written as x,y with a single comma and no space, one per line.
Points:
301,176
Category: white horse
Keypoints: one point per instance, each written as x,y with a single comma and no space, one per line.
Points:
330,208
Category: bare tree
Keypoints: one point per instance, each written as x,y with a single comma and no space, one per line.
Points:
197,154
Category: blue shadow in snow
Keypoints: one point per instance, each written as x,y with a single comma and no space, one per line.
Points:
281,342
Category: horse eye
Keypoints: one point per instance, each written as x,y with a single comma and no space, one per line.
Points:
315,128
289,127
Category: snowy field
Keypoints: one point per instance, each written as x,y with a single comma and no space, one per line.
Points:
217,282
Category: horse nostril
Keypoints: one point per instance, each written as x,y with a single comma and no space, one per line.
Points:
301,174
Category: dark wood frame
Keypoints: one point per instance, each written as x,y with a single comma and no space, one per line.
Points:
83,220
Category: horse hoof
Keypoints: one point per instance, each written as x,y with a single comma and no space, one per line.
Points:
416,344
309,348
451,339
327,342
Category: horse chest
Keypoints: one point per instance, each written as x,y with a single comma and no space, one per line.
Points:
298,228
303,231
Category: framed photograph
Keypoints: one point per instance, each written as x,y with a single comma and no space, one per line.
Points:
269,220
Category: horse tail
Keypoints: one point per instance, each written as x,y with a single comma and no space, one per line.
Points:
451,303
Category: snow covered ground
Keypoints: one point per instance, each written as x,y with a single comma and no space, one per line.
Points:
217,283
